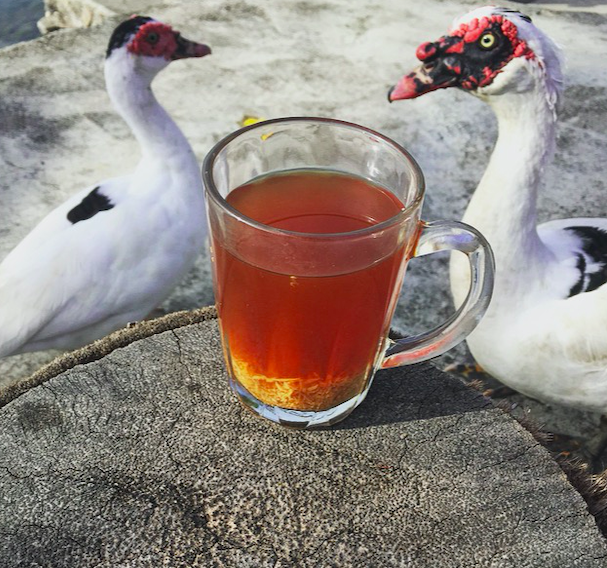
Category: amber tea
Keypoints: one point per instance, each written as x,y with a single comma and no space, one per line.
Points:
307,342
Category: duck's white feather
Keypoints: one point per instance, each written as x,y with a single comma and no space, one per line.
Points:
66,284
72,281
545,333
554,349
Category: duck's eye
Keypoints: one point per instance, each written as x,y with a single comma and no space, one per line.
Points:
152,38
487,41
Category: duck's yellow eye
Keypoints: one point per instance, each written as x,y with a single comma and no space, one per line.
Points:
487,40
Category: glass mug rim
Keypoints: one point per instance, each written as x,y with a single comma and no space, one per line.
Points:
403,215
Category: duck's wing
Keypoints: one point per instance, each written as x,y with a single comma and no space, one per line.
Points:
50,278
581,244
564,333
565,343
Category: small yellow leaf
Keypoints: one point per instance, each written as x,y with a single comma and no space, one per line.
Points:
248,120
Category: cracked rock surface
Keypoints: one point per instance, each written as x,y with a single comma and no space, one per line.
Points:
143,457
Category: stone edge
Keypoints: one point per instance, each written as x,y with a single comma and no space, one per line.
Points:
104,346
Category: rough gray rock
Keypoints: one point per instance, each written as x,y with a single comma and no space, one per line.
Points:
59,14
143,457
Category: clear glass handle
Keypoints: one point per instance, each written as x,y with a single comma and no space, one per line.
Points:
449,235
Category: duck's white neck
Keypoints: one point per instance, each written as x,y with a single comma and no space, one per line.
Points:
158,135
503,207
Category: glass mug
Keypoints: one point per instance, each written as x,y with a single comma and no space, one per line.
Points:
312,222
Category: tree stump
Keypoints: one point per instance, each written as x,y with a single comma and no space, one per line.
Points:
133,452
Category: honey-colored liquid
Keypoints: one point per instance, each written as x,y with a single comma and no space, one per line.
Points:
307,342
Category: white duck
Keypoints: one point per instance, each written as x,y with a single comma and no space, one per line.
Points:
115,250
545,333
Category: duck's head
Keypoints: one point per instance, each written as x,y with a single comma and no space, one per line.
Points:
146,46
488,52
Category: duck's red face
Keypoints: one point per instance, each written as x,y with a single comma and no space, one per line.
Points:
470,57
147,37
154,39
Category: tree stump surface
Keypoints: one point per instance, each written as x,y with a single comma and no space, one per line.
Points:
134,452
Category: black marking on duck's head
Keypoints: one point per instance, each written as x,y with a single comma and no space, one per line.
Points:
92,204
125,31
516,13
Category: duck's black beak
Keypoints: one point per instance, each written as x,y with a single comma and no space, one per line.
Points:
441,68
438,74
187,48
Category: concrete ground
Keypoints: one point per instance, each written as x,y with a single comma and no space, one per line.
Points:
336,58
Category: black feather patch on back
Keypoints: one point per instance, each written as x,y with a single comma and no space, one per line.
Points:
592,259
579,285
92,204
124,31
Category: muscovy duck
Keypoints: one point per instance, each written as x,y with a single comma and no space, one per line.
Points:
115,250
545,332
